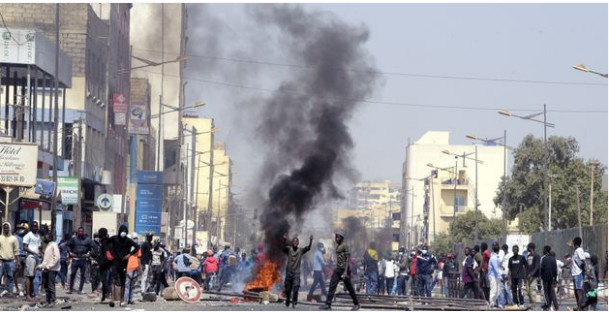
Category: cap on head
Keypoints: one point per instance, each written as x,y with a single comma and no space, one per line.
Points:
341,234
25,225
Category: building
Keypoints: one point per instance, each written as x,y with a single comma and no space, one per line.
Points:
431,188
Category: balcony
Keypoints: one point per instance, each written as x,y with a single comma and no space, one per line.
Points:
462,184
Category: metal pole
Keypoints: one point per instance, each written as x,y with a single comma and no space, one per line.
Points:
411,214
55,122
550,207
433,207
193,165
195,228
158,145
545,164
592,167
579,212
455,204
476,196
185,199
211,182
504,181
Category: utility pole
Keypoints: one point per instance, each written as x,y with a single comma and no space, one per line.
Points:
545,167
55,124
592,169
579,212
193,166
211,182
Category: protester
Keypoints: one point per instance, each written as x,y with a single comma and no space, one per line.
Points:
414,285
371,268
50,267
318,271
9,257
146,257
578,264
533,262
450,266
80,248
121,248
549,274
469,277
389,273
517,273
20,231
157,266
292,269
505,293
64,251
484,280
31,245
211,267
494,276
425,265
403,271
342,271
134,270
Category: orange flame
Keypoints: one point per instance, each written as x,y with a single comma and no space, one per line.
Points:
268,274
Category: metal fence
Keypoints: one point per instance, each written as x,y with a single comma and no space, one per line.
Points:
594,241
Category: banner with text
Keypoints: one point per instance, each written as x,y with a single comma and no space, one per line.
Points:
18,164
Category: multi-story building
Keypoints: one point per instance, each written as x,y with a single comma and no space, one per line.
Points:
84,37
438,185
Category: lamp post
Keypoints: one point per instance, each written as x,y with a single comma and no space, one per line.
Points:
583,68
505,147
546,124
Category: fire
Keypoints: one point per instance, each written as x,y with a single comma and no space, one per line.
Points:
268,274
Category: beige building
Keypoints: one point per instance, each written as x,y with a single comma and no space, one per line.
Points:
430,191
212,212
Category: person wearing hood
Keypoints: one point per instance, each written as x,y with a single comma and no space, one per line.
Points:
80,248
9,253
371,268
121,248
50,266
211,268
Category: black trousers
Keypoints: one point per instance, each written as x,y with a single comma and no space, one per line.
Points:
49,278
292,285
318,279
78,265
474,286
550,294
517,291
157,278
337,277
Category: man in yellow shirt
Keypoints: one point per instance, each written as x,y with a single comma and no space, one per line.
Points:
9,252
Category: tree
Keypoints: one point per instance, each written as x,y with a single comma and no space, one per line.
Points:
462,229
522,192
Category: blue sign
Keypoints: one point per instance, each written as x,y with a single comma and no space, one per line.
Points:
149,202
44,188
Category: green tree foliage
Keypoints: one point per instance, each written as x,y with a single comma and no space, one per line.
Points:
522,193
463,229
443,244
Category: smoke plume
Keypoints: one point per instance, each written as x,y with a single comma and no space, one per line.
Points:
304,123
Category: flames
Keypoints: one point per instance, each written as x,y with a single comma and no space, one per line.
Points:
267,275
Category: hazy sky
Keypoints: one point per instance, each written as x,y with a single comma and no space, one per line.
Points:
445,67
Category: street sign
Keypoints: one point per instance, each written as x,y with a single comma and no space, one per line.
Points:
188,290
104,202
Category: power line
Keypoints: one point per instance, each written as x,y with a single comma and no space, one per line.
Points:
382,73
373,101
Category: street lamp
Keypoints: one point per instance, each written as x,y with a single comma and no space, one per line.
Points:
505,147
546,124
583,68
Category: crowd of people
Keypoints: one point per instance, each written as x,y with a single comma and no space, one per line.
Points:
116,267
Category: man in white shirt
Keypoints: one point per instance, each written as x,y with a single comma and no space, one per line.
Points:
505,293
31,245
577,270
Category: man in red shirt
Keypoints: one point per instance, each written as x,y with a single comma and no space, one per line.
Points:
486,257
413,273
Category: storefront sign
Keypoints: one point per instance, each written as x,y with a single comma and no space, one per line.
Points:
70,190
120,109
18,164
149,201
138,118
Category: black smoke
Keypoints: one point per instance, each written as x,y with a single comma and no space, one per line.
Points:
303,124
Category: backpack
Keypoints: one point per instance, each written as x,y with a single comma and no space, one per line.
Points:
186,260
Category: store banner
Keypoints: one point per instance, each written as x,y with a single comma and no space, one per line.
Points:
149,202
138,118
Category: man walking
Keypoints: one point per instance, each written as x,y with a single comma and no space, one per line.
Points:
80,248
342,271
50,267
146,257
318,271
292,269
517,273
425,265
403,272
549,276
533,261
469,276
494,276
121,248
9,257
371,268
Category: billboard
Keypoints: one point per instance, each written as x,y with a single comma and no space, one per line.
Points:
120,109
18,46
18,164
149,202
70,190
138,118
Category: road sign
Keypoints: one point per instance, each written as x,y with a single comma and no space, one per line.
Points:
104,201
188,290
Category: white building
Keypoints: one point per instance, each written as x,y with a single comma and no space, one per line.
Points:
433,149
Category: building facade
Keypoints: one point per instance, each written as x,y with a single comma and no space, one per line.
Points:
437,185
